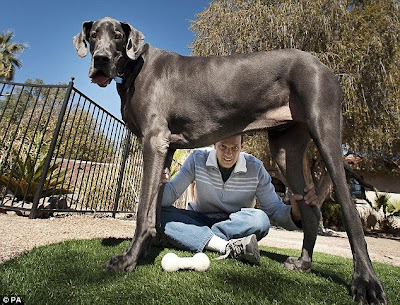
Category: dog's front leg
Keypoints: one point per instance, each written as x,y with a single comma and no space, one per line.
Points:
288,148
155,148
167,164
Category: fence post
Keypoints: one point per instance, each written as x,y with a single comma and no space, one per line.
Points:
122,171
53,144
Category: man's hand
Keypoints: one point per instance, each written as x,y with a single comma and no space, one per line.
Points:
310,198
164,176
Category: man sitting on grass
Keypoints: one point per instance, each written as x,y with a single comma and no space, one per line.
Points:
224,217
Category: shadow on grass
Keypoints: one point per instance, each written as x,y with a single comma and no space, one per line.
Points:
113,242
331,276
146,260
274,256
150,257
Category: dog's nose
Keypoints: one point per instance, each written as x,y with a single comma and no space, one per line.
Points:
101,59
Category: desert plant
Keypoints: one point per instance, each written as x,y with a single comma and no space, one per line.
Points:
387,208
381,201
394,208
23,178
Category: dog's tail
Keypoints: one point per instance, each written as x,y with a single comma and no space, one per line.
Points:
357,176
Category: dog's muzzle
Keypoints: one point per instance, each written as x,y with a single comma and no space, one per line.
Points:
101,72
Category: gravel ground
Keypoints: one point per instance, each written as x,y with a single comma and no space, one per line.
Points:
20,234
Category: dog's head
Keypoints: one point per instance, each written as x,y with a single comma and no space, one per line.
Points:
111,42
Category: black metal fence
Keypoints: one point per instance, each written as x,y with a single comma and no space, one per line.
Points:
60,151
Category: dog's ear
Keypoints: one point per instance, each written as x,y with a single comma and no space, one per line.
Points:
81,38
135,40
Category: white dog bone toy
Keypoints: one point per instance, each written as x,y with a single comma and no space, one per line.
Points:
172,262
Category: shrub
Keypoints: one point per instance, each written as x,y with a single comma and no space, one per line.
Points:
23,178
332,214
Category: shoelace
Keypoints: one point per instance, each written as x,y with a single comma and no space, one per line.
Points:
234,247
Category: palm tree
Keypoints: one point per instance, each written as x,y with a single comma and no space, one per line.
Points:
8,56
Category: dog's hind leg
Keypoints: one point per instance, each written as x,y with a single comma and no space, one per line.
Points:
155,152
321,100
167,165
366,286
288,147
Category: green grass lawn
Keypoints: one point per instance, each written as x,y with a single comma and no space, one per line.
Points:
72,273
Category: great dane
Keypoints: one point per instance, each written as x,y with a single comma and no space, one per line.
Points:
172,101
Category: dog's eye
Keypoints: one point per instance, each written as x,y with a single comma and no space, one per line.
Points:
94,35
117,35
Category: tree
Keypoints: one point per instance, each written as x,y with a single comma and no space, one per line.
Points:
8,56
358,40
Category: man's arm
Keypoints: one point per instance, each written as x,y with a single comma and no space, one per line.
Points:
310,198
288,217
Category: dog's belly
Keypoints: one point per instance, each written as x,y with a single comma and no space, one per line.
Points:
201,136
274,117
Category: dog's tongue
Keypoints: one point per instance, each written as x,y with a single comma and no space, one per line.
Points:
100,78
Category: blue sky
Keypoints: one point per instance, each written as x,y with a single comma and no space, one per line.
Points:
48,27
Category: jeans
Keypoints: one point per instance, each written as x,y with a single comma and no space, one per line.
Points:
191,230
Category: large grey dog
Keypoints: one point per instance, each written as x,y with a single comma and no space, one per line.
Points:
173,101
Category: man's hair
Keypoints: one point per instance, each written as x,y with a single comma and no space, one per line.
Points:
241,139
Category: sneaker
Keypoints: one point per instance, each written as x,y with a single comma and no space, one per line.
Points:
243,249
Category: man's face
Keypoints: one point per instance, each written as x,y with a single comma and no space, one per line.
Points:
228,151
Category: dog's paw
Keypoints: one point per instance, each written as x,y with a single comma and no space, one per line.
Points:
120,263
297,264
366,288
